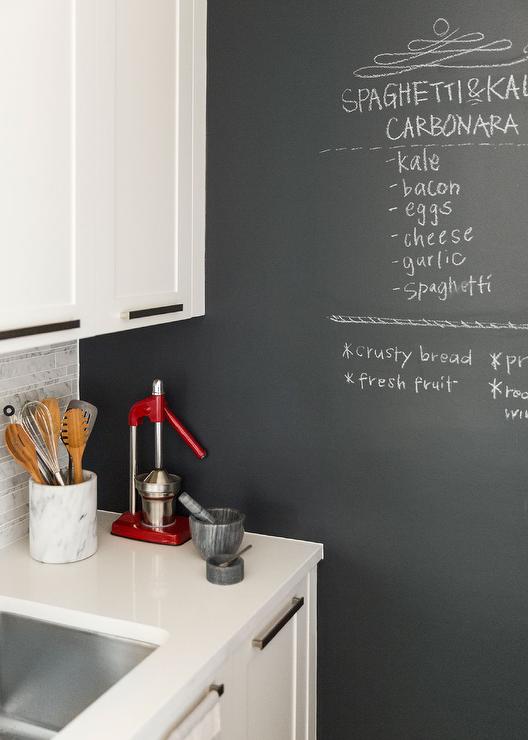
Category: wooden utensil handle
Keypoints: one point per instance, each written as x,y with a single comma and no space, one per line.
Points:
77,456
36,475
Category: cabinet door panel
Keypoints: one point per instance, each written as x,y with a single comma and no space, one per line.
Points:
146,254
46,108
151,87
274,686
271,679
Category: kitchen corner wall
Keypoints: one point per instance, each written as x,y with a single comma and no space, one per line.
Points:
28,375
422,594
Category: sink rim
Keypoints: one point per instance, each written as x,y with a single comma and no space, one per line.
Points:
66,626
142,635
86,621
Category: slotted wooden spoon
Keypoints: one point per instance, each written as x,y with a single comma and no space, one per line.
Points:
74,434
90,413
23,450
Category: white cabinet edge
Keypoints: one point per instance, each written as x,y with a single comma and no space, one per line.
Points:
199,156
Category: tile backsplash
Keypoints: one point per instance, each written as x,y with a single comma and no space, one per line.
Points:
28,375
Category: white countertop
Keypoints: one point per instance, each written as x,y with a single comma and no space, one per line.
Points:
159,594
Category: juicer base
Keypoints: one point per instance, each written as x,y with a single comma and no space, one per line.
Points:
130,526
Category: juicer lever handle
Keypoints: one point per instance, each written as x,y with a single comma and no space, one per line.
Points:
150,408
185,434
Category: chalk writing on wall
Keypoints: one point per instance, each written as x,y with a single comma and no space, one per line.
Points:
436,250
419,369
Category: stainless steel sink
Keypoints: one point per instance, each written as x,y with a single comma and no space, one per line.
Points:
50,672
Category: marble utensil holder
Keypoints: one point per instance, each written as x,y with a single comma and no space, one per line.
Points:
63,521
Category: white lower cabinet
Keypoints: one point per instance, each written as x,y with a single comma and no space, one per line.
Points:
274,671
269,681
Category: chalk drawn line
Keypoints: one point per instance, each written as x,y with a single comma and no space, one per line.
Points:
441,52
488,144
424,322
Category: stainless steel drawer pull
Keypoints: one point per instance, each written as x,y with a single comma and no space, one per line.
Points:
28,331
142,313
261,642
195,715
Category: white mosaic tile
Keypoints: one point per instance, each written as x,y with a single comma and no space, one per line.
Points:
27,366
19,512
50,370
14,530
66,356
13,499
33,380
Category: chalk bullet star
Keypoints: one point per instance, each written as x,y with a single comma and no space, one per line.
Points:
349,377
348,351
495,360
496,388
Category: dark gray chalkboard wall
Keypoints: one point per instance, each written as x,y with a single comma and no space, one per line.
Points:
421,499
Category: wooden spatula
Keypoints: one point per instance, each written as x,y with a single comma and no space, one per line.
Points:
23,450
74,434
53,407
90,413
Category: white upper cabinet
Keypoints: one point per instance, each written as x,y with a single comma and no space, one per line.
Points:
47,109
102,166
151,174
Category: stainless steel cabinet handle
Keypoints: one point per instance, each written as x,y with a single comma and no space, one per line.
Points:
28,331
195,714
261,642
142,313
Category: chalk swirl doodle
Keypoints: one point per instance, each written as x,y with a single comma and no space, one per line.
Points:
447,50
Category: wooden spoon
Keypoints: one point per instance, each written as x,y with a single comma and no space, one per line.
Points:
23,450
74,435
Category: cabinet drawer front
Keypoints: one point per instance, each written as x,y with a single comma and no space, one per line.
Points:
190,722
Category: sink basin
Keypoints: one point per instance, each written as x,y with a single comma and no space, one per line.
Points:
49,673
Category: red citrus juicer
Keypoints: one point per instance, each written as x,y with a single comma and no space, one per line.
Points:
156,522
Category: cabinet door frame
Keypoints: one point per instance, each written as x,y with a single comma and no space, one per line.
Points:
117,313
303,632
27,325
